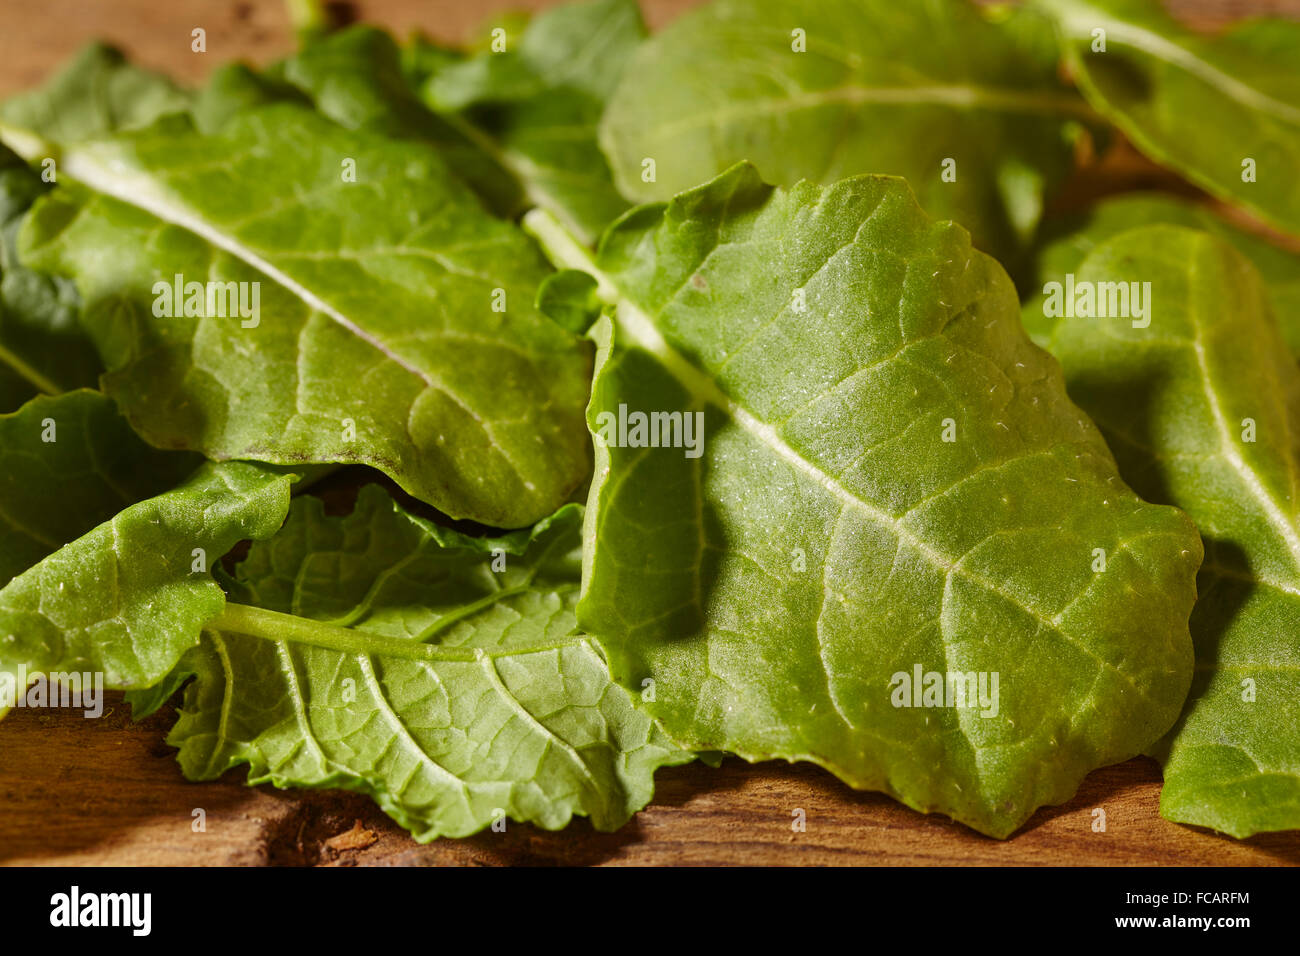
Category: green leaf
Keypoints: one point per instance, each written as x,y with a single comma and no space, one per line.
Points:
511,22
1202,408
422,57
309,18
379,339
98,92
148,700
537,104
883,87
1201,105
356,78
68,464
828,539
129,598
571,298
1072,238
42,347
234,89
439,673
19,188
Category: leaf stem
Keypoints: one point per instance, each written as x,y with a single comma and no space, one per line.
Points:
277,626
566,250
26,144
519,167
34,377
308,18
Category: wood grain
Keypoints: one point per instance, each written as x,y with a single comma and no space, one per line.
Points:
78,791
36,38
108,791
33,40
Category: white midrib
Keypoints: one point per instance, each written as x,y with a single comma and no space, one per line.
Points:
1277,517
285,629
493,675
227,691
1156,45
528,173
953,95
640,328
121,182
636,325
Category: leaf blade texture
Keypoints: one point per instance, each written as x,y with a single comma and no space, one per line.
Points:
824,451
356,78
42,347
1070,239
126,599
98,92
378,344
383,654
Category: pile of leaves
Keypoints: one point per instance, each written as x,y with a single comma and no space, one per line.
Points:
711,414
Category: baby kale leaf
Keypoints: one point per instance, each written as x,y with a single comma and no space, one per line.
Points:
971,112
395,323
1202,408
891,480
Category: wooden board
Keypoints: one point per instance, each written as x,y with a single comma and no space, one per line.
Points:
35,38
107,791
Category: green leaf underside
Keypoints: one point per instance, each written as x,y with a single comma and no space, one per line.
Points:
537,105
1200,105
823,446
884,87
42,348
67,464
379,653
125,598
1171,399
376,301
1071,239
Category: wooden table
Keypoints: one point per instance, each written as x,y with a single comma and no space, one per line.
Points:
74,790
107,791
